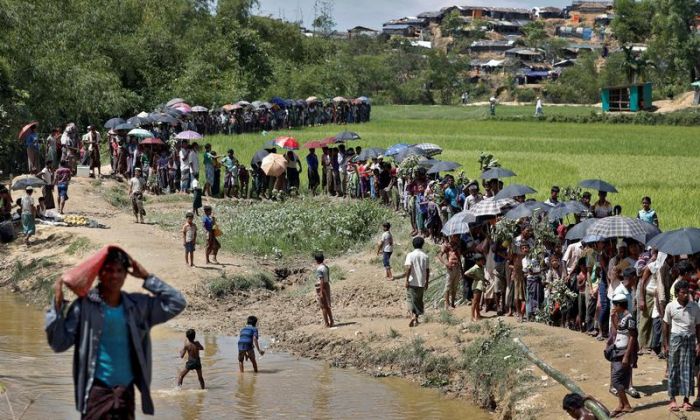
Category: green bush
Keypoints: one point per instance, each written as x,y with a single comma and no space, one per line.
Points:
300,226
526,95
223,286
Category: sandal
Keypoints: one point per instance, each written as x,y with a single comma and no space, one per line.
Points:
673,406
687,407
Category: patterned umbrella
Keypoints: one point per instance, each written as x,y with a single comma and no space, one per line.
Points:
491,207
514,190
684,241
289,143
113,122
188,135
430,149
396,149
579,230
459,223
274,164
619,227
597,184
526,209
497,173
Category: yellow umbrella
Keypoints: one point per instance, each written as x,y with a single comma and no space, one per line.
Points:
274,164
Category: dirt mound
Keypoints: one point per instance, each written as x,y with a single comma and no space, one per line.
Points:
682,101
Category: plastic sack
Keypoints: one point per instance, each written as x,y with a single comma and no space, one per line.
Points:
80,278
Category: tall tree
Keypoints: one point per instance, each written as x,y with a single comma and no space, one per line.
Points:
675,46
632,22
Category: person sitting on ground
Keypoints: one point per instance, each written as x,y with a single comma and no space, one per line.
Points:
247,343
573,404
192,349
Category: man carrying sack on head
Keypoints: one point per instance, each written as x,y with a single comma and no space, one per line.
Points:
110,330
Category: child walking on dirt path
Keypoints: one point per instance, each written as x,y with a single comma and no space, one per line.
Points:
191,348
248,342
189,237
323,289
386,247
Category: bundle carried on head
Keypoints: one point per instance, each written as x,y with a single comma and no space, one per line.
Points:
81,277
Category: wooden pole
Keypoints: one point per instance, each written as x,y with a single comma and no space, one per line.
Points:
596,408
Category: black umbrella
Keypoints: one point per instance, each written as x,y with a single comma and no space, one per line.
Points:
428,163
347,135
560,210
270,144
497,173
443,166
114,122
526,209
139,121
124,126
514,190
162,118
371,153
684,241
579,230
258,157
597,184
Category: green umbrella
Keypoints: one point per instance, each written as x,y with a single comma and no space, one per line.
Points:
140,132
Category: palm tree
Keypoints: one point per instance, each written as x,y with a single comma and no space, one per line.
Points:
635,65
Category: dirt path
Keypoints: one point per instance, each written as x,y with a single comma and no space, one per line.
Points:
366,306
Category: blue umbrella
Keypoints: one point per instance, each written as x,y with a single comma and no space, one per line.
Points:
124,126
114,122
279,102
396,149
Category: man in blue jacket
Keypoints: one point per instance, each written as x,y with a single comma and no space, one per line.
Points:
110,330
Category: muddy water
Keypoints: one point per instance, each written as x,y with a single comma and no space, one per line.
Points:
285,387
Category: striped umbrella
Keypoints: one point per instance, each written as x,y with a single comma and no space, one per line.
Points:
491,207
430,149
459,223
619,227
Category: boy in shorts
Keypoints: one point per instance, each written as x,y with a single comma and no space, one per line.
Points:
385,247
189,237
191,348
323,289
247,342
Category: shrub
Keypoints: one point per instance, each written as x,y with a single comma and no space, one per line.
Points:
223,286
526,95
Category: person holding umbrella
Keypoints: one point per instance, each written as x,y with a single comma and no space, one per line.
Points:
293,170
312,170
31,141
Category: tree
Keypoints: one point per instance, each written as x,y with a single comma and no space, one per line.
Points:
323,22
452,24
535,33
632,22
674,45
635,65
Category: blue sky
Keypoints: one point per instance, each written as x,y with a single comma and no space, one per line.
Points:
372,13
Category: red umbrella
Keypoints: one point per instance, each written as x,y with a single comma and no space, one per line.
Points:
328,141
153,140
314,144
23,132
289,143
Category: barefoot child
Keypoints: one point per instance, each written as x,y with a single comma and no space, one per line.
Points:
323,289
386,247
248,342
476,273
189,237
192,349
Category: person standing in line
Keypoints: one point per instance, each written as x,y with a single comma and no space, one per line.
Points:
449,256
386,248
680,331
417,277
136,187
539,111
52,147
47,175
312,169
208,170
185,167
624,356
93,141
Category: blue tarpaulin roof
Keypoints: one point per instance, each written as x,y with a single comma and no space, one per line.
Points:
531,73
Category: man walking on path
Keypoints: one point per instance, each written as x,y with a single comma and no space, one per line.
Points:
136,187
417,278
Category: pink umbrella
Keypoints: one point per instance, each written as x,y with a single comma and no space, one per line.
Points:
23,132
188,135
289,143
154,141
184,108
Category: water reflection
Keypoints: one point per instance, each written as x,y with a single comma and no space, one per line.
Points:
285,387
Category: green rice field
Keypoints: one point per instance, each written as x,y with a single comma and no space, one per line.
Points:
660,161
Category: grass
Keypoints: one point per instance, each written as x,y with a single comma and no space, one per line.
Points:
659,161
37,271
79,246
224,286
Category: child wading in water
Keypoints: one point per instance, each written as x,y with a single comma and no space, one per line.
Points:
189,237
248,342
192,349
323,289
386,247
